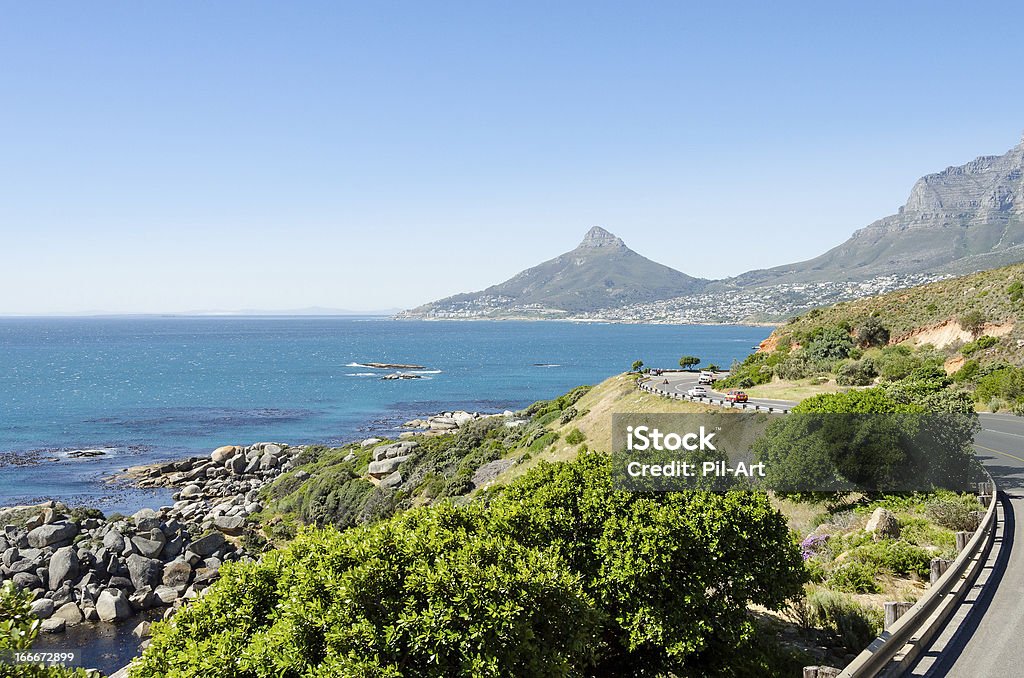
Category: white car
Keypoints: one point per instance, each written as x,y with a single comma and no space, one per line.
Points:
697,392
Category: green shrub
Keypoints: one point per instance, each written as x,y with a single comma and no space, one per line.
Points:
955,512
857,373
575,437
871,332
827,343
1015,291
543,441
556,574
896,557
979,344
854,625
853,577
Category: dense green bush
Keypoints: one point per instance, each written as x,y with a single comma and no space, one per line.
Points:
827,343
979,344
756,368
894,556
871,332
857,373
953,511
1005,383
557,574
853,577
880,450
575,437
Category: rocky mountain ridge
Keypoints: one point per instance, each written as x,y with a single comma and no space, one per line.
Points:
963,219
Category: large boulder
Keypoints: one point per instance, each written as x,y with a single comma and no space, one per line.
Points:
165,595
233,525
222,454
54,533
391,481
237,464
144,572
191,492
42,608
385,467
70,613
146,519
177,574
26,581
113,541
63,567
112,605
883,524
207,545
53,625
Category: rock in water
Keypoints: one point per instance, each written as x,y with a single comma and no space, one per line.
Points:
112,605
70,613
883,524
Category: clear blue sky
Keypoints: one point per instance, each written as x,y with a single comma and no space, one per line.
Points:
181,156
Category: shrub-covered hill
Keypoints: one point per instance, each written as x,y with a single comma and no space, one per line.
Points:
556,574
989,302
330,486
963,332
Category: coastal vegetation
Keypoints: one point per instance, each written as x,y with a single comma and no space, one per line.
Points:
556,573
962,332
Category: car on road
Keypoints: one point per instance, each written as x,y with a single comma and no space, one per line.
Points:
697,392
736,397
706,378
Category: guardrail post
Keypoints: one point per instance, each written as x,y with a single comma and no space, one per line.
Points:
938,568
961,540
893,611
821,672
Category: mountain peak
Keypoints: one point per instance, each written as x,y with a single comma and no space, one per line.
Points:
598,237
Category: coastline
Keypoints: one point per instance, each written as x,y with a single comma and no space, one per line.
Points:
102,580
590,321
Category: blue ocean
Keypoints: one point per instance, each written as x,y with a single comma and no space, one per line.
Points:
149,389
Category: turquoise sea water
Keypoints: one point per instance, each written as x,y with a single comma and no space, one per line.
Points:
147,389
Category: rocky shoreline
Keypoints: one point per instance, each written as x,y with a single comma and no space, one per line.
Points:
81,566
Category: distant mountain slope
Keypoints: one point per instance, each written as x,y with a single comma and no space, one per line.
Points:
600,273
932,313
963,219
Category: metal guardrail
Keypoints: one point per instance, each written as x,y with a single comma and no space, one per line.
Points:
643,386
895,650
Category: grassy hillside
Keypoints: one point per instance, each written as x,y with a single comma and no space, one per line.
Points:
330,486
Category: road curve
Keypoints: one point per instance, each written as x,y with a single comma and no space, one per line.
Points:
984,637
987,641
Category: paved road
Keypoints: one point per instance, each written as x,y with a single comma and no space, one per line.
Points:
681,382
986,636
989,642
